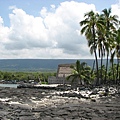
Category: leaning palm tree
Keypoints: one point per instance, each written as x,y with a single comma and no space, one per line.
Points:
89,28
110,23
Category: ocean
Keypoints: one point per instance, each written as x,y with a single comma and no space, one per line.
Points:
9,85
37,64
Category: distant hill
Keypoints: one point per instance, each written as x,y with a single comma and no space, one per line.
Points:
37,64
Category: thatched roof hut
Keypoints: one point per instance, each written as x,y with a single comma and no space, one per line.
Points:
64,70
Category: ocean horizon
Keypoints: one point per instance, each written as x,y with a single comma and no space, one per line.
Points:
38,64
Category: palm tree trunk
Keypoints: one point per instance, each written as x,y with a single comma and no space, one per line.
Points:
117,78
113,72
106,68
97,81
101,65
93,67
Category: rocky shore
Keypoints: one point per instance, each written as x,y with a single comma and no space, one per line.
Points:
41,104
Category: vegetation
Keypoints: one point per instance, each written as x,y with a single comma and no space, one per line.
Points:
102,32
81,71
26,76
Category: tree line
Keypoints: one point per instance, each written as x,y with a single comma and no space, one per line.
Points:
26,76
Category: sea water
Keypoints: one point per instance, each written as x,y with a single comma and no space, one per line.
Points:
9,85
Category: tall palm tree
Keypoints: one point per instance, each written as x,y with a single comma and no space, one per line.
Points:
110,23
113,53
101,51
101,46
116,51
89,28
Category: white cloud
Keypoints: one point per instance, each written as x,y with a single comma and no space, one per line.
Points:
26,31
43,12
116,9
53,34
4,31
1,21
53,6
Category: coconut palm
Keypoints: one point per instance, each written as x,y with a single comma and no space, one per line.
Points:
110,72
113,52
110,23
101,48
116,51
89,28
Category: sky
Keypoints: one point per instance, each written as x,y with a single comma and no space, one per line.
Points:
47,29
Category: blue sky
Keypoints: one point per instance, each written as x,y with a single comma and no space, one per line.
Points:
46,28
34,6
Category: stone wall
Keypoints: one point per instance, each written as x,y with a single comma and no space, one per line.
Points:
58,80
61,80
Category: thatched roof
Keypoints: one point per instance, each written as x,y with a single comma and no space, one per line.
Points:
64,70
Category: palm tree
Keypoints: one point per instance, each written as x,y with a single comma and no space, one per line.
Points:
101,48
113,52
89,28
116,51
110,23
110,72
78,72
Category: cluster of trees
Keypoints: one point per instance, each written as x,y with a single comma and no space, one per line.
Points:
25,76
87,74
81,71
102,32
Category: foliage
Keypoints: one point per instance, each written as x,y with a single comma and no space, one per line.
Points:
25,76
102,32
81,72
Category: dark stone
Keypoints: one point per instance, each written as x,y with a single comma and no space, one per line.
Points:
35,87
93,100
